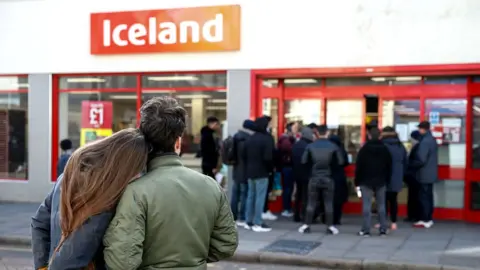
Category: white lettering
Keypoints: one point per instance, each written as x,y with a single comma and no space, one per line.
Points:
168,33
139,34
106,33
152,31
217,24
136,34
116,35
195,31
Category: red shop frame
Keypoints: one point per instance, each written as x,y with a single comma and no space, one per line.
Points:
420,92
14,91
137,90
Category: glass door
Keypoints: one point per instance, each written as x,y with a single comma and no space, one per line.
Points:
345,118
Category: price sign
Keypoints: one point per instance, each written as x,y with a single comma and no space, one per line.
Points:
97,114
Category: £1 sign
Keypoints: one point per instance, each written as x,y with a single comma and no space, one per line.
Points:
97,114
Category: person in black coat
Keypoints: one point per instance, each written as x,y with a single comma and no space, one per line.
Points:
260,164
301,172
209,147
413,213
373,171
340,179
240,186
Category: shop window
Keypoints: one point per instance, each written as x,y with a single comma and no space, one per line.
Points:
303,110
118,112
270,83
270,108
363,81
199,106
344,118
13,127
447,120
201,80
303,82
98,82
476,79
476,133
449,194
445,80
403,115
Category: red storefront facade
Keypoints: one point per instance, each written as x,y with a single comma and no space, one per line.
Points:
342,98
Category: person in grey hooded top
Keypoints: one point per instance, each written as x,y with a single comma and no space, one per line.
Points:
399,167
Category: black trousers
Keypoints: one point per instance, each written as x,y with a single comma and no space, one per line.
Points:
391,206
426,202
207,170
337,212
267,197
301,199
317,188
413,203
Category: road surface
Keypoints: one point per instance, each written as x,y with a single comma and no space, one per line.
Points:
21,259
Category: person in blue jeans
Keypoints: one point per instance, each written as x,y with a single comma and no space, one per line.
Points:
284,146
259,150
240,185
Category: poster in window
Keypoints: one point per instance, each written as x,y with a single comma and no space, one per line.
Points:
96,121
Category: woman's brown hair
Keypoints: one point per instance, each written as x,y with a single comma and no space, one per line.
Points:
96,176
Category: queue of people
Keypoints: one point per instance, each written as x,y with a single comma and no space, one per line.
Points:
312,161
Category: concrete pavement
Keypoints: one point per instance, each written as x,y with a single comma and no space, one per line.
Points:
447,245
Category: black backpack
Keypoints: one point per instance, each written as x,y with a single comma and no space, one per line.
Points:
228,151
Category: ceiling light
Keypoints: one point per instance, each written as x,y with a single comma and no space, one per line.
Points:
192,96
216,108
293,81
161,91
406,79
173,78
85,80
379,79
218,101
123,97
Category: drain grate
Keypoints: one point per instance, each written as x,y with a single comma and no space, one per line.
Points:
292,247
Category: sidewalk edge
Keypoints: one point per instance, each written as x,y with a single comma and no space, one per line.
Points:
18,241
331,263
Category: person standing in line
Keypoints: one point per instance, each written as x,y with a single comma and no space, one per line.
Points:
284,146
427,174
413,213
66,146
260,163
373,171
320,155
399,167
240,185
209,147
301,173
340,179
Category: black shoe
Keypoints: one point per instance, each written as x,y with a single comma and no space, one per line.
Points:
297,218
383,233
364,234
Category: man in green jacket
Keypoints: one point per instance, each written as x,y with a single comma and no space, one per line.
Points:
172,217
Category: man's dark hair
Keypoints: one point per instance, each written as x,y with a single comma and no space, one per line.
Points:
162,121
312,126
289,126
322,130
212,119
66,144
374,133
388,129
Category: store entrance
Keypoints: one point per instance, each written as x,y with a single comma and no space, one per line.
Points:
351,106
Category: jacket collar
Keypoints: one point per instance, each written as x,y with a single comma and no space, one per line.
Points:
164,160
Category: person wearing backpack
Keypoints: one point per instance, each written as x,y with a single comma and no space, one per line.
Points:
240,186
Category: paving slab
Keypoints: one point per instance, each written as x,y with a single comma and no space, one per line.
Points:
450,245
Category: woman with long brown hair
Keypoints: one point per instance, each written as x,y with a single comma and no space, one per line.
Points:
68,228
